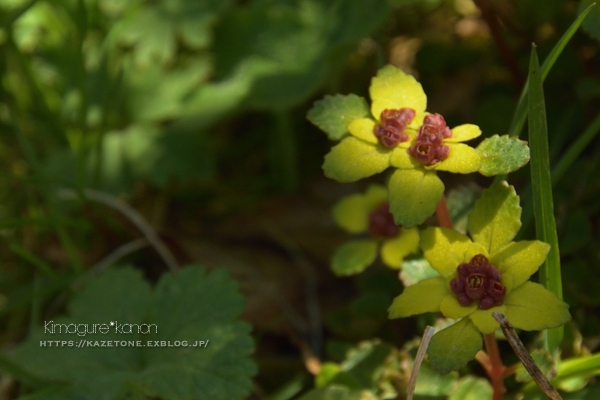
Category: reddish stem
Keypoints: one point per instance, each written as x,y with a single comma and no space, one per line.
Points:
443,215
496,370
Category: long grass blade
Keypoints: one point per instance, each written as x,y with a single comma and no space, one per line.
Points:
518,121
543,204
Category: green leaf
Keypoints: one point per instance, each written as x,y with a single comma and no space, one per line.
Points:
352,212
496,217
502,154
353,257
453,347
542,359
352,159
393,250
543,204
415,271
333,114
191,306
516,126
471,388
592,23
422,297
533,308
432,383
414,195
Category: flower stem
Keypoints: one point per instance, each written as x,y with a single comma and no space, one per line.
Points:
496,370
442,213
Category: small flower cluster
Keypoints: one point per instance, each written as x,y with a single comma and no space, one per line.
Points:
393,124
429,149
478,280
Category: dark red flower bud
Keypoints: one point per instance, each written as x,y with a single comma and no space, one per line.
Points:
381,222
393,125
429,149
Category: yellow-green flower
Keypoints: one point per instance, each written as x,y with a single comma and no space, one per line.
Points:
369,213
401,134
494,222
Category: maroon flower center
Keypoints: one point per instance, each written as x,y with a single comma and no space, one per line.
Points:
381,222
478,280
393,125
429,148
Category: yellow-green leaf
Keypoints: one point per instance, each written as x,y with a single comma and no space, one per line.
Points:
363,129
496,218
393,89
414,195
422,297
534,308
451,308
471,388
502,154
353,257
351,214
401,159
446,249
333,114
352,159
453,347
484,321
463,133
462,160
395,249
520,259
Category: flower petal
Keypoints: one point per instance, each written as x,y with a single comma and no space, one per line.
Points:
402,160
496,217
451,308
453,347
446,248
363,129
353,159
520,259
393,89
534,308
462,159
394,250
414,194
353,257
465,132
422,297
484,321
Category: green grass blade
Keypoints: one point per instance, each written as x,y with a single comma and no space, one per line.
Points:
516,125
543,205
575,150
563,165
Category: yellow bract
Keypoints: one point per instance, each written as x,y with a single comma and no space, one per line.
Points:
492,224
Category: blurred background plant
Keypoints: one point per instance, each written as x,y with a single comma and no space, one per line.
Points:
194,113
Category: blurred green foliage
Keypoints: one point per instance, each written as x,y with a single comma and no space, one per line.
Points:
195,112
